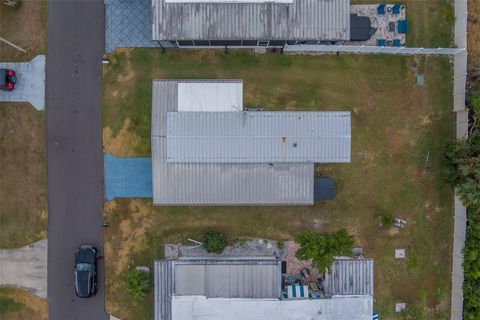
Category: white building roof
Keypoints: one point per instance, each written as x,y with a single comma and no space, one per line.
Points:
201,308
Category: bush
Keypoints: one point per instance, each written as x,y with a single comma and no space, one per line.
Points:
321,248
14,4
280,245
214,242
138,284
386,220
462,162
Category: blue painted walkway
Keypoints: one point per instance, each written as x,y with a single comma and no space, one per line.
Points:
127,177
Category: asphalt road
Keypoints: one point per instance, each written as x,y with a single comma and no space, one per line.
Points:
74,150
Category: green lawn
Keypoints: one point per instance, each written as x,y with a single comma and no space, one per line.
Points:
17,304
395,124
430,21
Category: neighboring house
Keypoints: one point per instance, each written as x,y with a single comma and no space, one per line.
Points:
252,288
249,23
207,150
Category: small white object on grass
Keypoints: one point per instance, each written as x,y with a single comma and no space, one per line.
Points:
400,254
400,306
143,269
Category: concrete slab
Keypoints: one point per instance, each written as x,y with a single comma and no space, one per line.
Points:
30,85
25,268
127,177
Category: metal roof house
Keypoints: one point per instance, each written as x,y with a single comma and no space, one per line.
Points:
250,288
249,23
207,151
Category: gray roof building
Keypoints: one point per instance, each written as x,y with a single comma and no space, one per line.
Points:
258,137
222,183
350,277
251,20
234,288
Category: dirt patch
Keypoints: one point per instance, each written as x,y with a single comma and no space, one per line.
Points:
23,216
123,144
294,265
33,306
393,231
25,27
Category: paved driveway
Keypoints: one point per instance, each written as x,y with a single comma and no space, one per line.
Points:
25,268
30,82
74,151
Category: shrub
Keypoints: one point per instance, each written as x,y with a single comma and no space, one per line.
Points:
280,245
214,242
14,4
321,248
386,220
138,284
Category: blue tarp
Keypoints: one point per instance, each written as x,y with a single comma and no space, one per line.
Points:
127,177
381,42
397,43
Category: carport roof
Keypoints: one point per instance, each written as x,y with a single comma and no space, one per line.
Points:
261,20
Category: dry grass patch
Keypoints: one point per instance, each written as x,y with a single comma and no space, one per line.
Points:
25,27
23,217
123,143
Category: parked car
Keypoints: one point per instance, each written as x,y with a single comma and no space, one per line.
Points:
8,79
86,258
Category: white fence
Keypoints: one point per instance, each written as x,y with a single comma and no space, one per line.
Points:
460,215
328,48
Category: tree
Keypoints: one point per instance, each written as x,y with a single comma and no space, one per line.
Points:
462,160
138,283
214,242
321,248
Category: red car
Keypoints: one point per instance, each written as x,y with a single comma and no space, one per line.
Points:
8,79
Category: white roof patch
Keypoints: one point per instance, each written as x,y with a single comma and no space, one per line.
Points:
210,96
201,308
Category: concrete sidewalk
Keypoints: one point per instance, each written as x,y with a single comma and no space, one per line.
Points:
30,85
25,268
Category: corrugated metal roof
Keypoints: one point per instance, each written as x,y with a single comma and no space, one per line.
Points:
258,137
350,277
302,20
252,279
163,285
217,183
